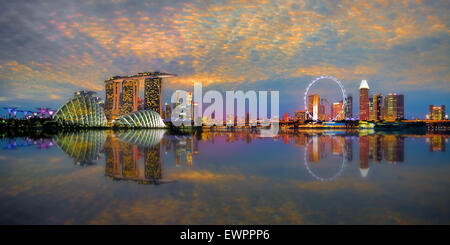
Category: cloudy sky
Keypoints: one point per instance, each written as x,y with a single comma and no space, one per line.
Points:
49,49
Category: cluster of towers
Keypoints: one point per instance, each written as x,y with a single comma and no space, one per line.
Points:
318,109
122,93
372,108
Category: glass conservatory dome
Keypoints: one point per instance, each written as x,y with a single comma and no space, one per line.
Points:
141,119
83,110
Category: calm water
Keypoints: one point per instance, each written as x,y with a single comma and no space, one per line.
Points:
151,177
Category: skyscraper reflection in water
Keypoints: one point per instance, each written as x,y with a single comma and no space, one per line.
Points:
137,155
123,157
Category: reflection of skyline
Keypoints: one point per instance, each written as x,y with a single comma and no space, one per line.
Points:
437,142
42,143
138,155
123,161
84,147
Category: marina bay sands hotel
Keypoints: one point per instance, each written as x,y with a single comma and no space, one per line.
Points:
122,93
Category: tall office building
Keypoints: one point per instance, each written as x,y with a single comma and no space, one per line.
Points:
393,107
130,95
112,100
152,94
325,114
436,112
348,109
314,107
336,113
376,109
364,101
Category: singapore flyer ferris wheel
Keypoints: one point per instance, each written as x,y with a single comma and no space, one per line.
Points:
329,78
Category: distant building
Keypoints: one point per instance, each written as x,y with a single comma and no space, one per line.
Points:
314,107
167,111
286,117
376,111
336,113
325,115
394,108
364,101
437,112
300,116
348,110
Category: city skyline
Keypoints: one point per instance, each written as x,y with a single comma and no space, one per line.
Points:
58,47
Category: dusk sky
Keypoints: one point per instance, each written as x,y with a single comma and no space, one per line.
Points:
50,49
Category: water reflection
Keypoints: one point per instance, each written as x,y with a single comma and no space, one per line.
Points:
84,147
225,178
137,155
123,152
43,143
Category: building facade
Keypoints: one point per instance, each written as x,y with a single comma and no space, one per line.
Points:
393,107
348,109
364,101
314,107
437,112
336,111
112,100
130,94
376,108
152,94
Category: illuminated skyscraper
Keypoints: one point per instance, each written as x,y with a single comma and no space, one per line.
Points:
376,112
130,94
348,109
393,107
286,117
112,101
336,112
364,101
152,94
437,112
314,107
118,103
